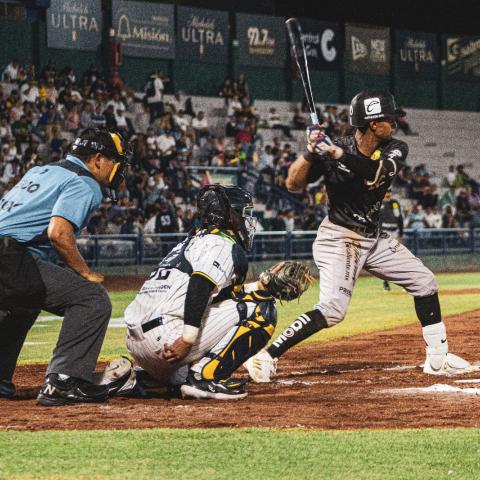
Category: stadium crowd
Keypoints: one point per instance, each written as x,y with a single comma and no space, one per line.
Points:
42,112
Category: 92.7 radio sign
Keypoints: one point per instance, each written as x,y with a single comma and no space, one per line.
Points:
261,40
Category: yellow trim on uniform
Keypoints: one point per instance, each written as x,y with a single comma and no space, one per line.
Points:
206,276
117,142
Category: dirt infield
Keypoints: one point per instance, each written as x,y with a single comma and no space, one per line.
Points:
337,385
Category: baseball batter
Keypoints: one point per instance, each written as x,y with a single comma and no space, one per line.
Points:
358,171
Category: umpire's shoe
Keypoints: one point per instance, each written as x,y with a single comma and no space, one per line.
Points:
56,392
7,389
218,390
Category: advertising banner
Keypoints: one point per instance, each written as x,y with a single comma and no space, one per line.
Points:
76,24
368,49
322,44
261,40
202,35
462,55
144,29
417,54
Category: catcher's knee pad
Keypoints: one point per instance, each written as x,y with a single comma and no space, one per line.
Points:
251,335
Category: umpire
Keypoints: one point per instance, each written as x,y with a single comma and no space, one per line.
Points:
45,210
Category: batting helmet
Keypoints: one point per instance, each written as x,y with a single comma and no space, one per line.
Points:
230,207
372,105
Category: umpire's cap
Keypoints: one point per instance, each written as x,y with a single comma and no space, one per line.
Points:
371,105
96,140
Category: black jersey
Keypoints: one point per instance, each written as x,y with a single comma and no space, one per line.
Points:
353,200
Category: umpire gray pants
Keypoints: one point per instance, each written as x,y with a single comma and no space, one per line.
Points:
340,254
86,309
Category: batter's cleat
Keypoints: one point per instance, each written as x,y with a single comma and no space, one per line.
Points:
386,286
261,367
7,389
56,392
452,365
204,389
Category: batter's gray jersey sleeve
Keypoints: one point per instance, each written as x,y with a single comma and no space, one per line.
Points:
214,260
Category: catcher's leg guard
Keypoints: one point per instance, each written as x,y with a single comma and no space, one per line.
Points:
242,341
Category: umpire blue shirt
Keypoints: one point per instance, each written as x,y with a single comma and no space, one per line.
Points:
43,192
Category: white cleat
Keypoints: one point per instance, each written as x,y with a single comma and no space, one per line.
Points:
261,367
452,365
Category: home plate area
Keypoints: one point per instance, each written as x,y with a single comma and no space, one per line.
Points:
367,381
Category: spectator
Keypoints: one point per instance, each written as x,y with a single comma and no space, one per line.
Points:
448,218
274,121
226,91
463,208
448,198
200,126
416,218
154,96
234,106
98,119
29,92
433,219
278,223
403,125
299,121
449,180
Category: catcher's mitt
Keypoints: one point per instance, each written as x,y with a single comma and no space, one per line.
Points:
286,280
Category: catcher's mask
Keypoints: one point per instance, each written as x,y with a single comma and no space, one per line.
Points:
230,207
109,144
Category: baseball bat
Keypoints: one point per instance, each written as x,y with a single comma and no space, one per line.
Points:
300,56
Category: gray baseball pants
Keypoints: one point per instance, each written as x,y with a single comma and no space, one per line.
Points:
340,254
86,309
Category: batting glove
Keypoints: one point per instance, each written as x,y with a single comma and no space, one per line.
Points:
320,144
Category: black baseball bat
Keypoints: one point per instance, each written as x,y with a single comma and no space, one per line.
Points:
300,55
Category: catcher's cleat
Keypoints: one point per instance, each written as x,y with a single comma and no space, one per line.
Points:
55,392
221,390
452,365
261,367
120,378
7,389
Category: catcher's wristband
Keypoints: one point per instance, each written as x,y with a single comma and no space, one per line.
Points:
311,157
190,334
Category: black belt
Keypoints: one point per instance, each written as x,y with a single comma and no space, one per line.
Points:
151,324
363,231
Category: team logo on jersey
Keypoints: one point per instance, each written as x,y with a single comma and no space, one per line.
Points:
376,154
372,106
394,154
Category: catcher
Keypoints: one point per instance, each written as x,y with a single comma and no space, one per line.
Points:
194,322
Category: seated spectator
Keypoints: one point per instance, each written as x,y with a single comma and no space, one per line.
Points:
110,119
433,219
277,224
416,218
309,220
114,226
428,198
473,198
290,221
166,146
243,90
449,180
274,121
299,120
29,92
11,72
448,218
448,198
234,106
73,120
181,121
226,91
98,119
21,131
200,126
463,208
180,102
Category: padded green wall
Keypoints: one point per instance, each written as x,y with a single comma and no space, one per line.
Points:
326,87
197,78
16,41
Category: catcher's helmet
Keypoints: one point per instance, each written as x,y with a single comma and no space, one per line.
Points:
372,105
112,145
230,207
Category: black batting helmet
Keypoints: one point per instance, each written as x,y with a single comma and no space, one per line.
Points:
371,105
229,207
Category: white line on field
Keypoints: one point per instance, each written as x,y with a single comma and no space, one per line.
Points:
118,322
437,388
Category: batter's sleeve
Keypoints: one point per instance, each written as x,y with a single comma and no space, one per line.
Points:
75,203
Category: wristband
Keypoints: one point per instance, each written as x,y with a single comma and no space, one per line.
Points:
190,334
311,157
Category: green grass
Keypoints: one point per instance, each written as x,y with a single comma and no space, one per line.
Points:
370,310
241,454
